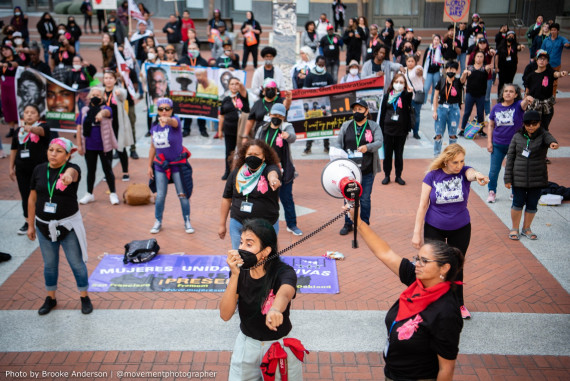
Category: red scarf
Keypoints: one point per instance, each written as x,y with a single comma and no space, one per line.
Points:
417,298
161,160
277,355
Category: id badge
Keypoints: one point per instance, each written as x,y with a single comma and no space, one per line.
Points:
246,207
25,153
331,47
445,105
526,152
395,117
508,58
61,66
266,118
75,86
369,50
50,207
356,157
386,347
3,78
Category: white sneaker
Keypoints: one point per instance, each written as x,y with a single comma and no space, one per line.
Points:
187,227
114,199
156,227
87,199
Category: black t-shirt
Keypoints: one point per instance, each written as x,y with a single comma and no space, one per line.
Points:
260,110
535,84
37,150
318,80
454,90
272,136
331,55
350,143
437,334
268,73
63,56
66,200
251,299
376,67
265,205
224,62
477,81
231,113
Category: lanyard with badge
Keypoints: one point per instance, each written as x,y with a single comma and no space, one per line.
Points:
266,117
388,339
395,116
331,42
526,151
273,138
51,207
508,58
447,92
4,71
356,156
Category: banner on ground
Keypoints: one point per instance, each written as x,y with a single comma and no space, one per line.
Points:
200,273
456,10
55,100
104,4
318,113
196,91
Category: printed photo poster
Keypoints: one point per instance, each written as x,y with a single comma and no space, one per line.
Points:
319,113
158,79
55,100
104,4
224,78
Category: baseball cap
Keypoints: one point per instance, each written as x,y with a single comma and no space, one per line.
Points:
278,109
531,116
542,52
360,102
269,82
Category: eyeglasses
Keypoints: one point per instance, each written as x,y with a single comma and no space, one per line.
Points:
164,109
424,261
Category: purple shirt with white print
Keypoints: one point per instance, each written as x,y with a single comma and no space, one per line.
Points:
168,141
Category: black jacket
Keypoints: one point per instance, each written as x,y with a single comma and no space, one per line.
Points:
403,125
176,37
531,171
43,30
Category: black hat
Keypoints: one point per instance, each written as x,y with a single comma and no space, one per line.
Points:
531,116
360,102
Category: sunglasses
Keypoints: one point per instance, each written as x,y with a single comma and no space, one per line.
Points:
164,109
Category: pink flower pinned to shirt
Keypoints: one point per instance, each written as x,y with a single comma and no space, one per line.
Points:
335,40
545,81
60,185
262,185
268,303
279,141
399,102
453,92
407,330
65,55
368,136
239,104
34,138
82,77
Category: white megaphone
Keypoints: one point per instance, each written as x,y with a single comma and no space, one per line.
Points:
341,179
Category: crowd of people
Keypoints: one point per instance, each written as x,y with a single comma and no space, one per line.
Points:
456,71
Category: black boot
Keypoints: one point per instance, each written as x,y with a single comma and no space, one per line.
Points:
49,304
86,306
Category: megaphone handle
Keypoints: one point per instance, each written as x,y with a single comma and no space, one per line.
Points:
356,214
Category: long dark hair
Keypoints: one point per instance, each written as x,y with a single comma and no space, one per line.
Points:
270,155
268,238
444,253
391,87
518,97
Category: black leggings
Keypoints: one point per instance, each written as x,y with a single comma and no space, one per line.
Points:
24,177
91,160
246,51
394,145
458,238
88,19
123,157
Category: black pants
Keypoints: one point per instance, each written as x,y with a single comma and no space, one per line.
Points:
394,145
309,144
545,120
91,160
123,157
24,177
246,51
505,76
337,24
231,141
458,238
88,19
101,19
187,125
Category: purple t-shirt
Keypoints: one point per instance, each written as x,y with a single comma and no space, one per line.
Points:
93,142
448,199
167,140
508,120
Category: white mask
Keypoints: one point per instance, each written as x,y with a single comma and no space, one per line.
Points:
17,14
61,32
151,56
77,67
353,71
398,87
18,41
227,52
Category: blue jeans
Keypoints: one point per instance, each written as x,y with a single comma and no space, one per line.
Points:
235,232
45,45
76,47
469,102
497,156
161,189
72,250
418,109
286,197
447,117
365,204
488,97
432,80
461,58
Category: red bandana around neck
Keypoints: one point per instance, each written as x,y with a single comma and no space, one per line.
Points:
417,298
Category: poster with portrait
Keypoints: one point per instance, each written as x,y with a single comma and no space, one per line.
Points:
318,113
195,91
104,4
55,100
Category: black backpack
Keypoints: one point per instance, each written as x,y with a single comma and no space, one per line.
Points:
141,251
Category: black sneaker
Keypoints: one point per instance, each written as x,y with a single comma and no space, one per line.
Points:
307,151
204,133
134,155
86,306
461,133
24,229
115,155
386,180
347,228
185,134
400,181
417,136
147,134
10,133
482,134
126,177
5,257
49,304
225,176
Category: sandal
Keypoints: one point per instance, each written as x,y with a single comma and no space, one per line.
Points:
514,235
529,234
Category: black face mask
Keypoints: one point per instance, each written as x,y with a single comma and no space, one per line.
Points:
450,74
408,50
95,101
270,92
253,162
249,258
276,121
358,116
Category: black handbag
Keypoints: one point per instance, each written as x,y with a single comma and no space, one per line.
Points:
419,95
141,251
